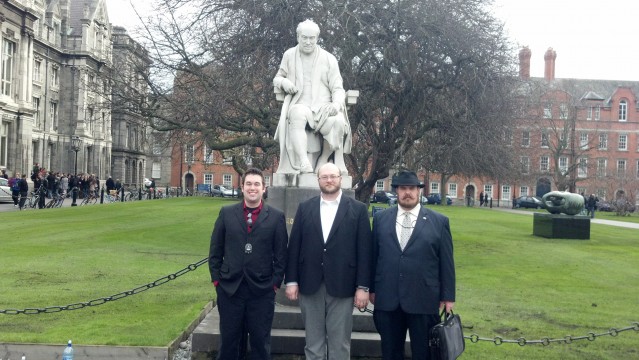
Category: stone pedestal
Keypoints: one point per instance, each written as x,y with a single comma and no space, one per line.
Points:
560,226
307,180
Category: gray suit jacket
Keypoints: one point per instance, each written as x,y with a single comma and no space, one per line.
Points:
422,275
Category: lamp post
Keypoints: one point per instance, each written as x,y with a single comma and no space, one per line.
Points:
189,163
76,144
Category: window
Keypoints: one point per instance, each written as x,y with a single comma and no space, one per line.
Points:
452,190
54,77
563,164
525,139
434,188
603,142
623,142
36,113
583,141
505,192
597,113
543,163
544,140
582,170
563,138
4,142
547,111
8,51
37,65
638,170
208,179
523,191
488,191
589,113
581,190
623,110
227,179
525,164
208,155
267,181
601,167
157,147
379,185
53,114
621,168
189,154
563,111
508,137
156,173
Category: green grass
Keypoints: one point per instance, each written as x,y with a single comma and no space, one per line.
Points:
510,283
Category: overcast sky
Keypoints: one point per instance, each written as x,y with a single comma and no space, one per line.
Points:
593,39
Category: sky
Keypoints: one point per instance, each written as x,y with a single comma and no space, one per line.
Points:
593,39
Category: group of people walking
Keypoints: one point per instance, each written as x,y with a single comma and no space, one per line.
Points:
332,261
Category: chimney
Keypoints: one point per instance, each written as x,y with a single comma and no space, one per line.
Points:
524,63
549,58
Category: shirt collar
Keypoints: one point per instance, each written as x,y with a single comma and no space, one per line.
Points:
414,211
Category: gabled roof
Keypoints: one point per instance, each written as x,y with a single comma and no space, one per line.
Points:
586,89
591,95
86,9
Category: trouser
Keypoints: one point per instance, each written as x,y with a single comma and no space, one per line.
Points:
15,196
245,312
23,199
392,327
328,322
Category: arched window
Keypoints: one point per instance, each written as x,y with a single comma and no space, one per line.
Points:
623,110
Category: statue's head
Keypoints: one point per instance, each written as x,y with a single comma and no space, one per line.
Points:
307,34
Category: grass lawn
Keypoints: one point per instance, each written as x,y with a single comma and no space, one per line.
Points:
510,283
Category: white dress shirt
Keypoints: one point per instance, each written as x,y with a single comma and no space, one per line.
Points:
328,210
413,213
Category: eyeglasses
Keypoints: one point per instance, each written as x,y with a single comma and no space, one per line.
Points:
327,177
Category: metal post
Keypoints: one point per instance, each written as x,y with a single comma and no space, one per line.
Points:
76,144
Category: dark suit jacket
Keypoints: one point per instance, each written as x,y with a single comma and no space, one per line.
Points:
422,275
264,267
344,262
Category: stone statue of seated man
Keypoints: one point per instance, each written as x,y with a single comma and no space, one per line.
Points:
314,123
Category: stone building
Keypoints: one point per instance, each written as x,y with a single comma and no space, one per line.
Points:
56,86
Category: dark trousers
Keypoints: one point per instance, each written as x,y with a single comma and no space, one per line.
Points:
245,312
15,196
392,327
23,199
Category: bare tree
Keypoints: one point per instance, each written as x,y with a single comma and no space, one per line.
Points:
420,65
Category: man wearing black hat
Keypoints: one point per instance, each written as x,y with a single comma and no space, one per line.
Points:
413,268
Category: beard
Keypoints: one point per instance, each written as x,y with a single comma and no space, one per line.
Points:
330,189
408,203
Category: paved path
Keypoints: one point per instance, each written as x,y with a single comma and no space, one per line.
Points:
624,224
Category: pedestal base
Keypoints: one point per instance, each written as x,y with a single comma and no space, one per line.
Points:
561,226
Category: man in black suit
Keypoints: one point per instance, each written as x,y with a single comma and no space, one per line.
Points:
413,268
330,254
247,260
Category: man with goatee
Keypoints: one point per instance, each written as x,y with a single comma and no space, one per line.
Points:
329,267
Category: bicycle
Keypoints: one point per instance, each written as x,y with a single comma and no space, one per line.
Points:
55,202
89,199
32,201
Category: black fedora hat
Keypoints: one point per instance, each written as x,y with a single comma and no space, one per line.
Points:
406,178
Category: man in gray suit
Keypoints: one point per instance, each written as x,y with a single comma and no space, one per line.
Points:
413,268
329,266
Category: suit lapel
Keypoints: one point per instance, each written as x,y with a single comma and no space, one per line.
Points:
262,217
342,210
238,214
420,225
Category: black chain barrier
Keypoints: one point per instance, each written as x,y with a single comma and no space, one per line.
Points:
104,300
498,340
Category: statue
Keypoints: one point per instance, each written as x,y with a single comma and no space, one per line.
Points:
313,124
556,202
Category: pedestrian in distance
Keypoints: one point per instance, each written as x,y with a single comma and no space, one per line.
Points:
329,266
24,191
247,259
14,185
414,271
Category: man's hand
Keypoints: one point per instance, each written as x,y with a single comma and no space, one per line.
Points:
288,86
361,299
334,109
292,292
448,304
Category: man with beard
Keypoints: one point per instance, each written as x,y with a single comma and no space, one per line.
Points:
413,268
329,266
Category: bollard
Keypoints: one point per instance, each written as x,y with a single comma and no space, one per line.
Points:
102,195
140,194
491,203
74,195
122,196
